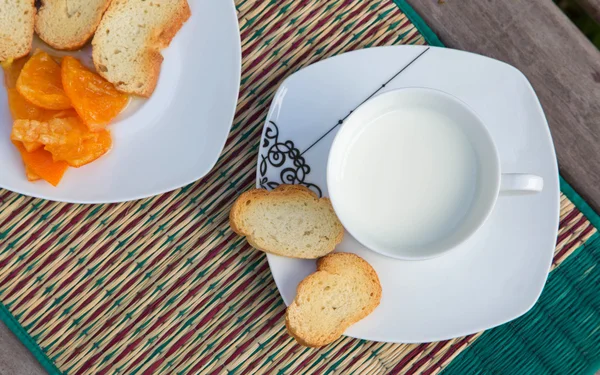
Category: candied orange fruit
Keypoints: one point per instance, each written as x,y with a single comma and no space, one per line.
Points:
55,131
12,69
91,147
21,108
56,126
67,139
41,165
40,82
95,99
31,176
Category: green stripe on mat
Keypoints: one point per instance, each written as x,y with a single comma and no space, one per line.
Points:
431,38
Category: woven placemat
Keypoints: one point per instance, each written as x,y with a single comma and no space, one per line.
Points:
163,285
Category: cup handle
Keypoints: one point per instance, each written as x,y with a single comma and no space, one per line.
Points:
520,184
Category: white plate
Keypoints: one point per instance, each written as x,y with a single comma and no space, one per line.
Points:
494,277
167,141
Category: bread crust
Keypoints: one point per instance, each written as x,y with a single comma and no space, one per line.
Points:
52,34
8,50
159,37
335,264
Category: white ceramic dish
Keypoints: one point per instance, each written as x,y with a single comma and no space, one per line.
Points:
167,141
496,275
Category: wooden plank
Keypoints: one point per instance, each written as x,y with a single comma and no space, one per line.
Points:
592,7
561,64
15,358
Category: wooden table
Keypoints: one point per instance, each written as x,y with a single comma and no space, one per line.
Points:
533,35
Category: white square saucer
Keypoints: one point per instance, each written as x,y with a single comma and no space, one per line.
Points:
499,273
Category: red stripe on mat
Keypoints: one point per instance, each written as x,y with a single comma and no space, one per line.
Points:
574,242
189,353
415,367
239,350
151,307
17,211
265,53
122,269
38,252
4,196
181,341
307,360
356,44
175,326
57,251
582,220
390,36
78,271
254,316
355,359
412,37
187,297
409,357
274,27
130,282
208,317
453,349
570,216
138,296
29,238
248,369
341,352
275,80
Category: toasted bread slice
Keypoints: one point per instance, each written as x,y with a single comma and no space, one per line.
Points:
69,24
344,290
16,28
126,47
290,221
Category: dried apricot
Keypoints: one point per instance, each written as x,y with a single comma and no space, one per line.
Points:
41,164
40,82
95,99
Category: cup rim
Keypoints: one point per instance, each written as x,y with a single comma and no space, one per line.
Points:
336,146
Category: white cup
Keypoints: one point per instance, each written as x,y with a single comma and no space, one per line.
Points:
413,173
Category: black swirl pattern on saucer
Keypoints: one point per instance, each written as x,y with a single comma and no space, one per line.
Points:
276,155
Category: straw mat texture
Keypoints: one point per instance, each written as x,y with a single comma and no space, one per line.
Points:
162,285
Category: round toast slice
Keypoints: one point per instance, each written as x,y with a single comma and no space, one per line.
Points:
127,44
16,28
290,221
343,290
69,24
